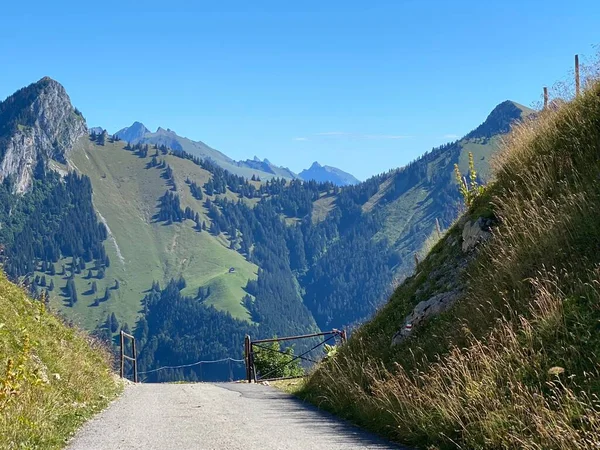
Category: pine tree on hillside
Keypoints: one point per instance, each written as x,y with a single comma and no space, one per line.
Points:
114,323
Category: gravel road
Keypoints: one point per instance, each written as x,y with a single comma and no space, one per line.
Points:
217,416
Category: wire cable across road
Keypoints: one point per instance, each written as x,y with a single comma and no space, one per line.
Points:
192,364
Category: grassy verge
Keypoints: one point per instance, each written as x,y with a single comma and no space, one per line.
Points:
52,377
514,364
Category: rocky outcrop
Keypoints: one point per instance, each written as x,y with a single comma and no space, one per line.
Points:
46,128
444,283
433,306
475,232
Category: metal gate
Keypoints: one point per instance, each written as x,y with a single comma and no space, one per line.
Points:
250,347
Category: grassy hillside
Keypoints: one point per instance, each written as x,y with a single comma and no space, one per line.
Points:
513,364
411,198
142,250
52,377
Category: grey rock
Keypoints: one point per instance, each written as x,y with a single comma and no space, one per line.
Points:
433,306
475,233
56,127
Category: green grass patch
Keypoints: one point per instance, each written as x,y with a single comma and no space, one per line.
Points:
52,377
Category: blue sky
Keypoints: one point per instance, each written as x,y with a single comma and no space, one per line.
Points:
364,86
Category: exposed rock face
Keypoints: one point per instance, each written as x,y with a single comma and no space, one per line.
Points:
51,128
444,284
433,306
475,233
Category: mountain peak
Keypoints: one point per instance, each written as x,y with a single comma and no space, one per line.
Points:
320,173
500,120
37,123
133,133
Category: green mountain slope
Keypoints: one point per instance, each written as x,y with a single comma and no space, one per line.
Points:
414,197
142,250
496,347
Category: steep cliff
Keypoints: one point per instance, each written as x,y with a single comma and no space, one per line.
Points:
37,124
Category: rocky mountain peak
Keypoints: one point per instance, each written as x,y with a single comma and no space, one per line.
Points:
320,173
37,124
133,133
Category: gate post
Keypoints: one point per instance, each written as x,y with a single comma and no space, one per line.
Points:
122,354
135,368
343,336
247,346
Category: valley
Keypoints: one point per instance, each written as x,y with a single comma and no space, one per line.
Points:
262,252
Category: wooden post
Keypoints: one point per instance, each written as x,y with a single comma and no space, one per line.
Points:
247,358
122,355
343,336
416,260
135,369
230,370
577,86
545,97
437,227
252,367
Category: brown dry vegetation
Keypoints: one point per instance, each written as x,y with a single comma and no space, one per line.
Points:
514,364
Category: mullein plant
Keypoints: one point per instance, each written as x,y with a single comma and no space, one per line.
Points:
470,189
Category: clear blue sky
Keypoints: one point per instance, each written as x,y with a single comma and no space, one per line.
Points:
362,85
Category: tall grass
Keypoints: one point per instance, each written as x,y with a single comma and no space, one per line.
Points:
52,377
514,364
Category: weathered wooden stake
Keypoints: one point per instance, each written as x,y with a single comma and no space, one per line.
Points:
437,226
416,260
545,97
135,368
122,355
247,358
343,336
577,85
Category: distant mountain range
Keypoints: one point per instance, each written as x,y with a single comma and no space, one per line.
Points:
322,174
138,133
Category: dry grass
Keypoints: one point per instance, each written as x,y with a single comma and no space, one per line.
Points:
515,363
52,377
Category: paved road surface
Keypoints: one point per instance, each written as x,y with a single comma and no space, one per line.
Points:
217,416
